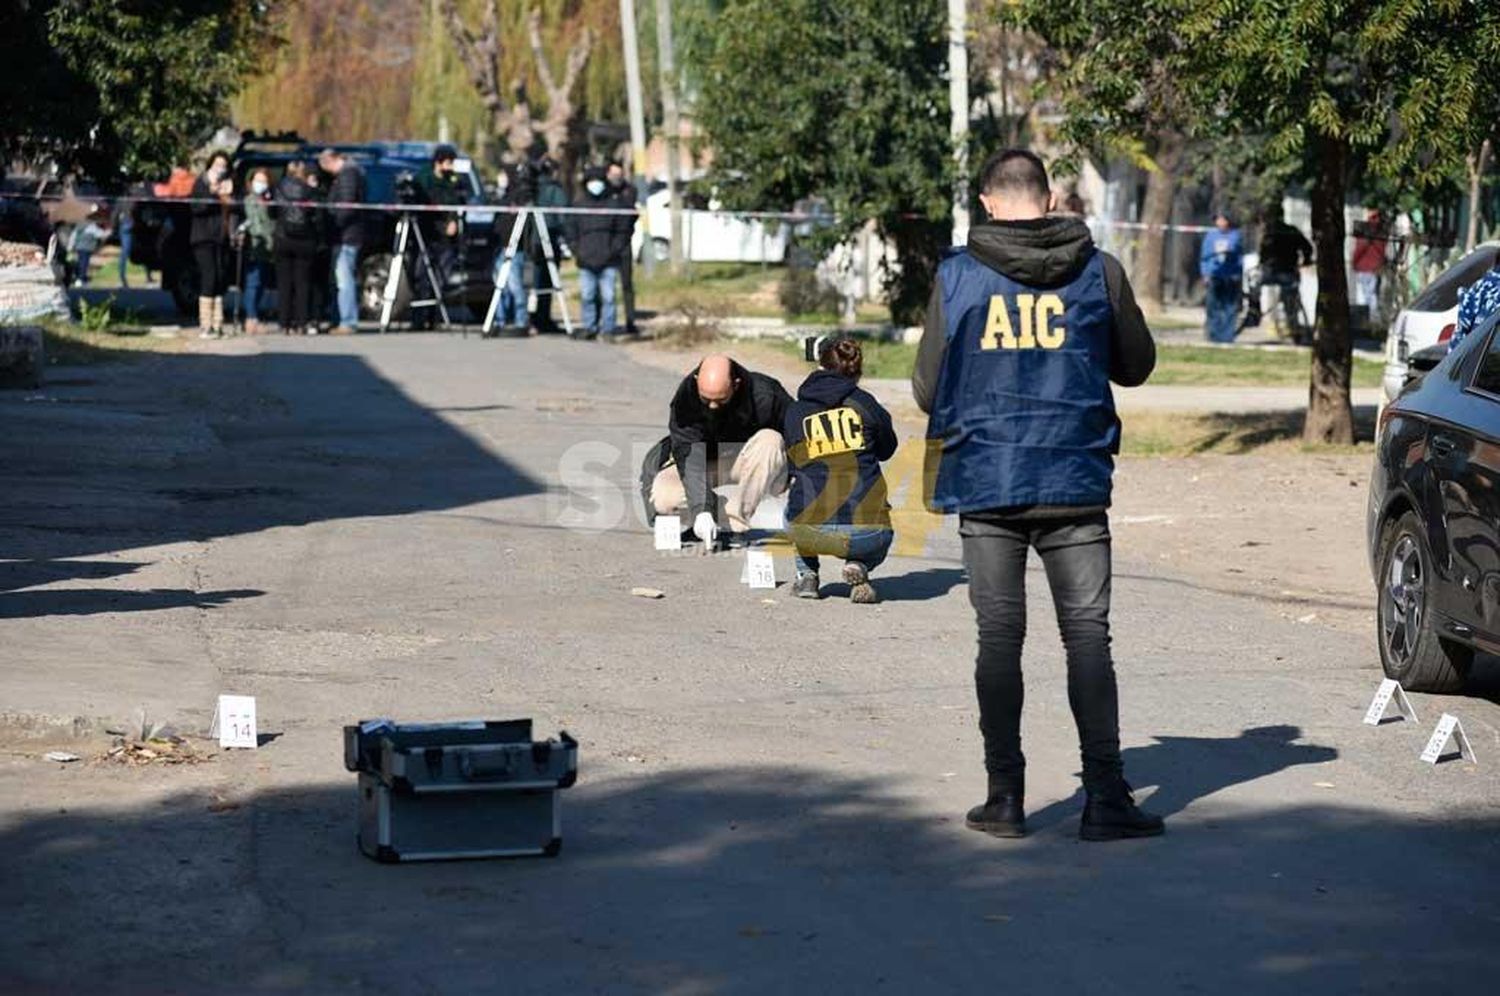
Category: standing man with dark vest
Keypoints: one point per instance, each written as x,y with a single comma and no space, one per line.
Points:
1026,328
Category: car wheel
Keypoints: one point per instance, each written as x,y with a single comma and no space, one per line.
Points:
661,250
1411,651
373,274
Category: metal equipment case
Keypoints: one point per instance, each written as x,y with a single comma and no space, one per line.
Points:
441,791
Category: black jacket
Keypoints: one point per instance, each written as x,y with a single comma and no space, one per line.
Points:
836,438
452,192
593,236
348,223
623,198
696,432
1283,248
211,218
1045,252
296,225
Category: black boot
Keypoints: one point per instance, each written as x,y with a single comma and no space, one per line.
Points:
1113,815
1004,811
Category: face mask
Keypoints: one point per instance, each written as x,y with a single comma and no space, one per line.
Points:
259,186
595,187
617,182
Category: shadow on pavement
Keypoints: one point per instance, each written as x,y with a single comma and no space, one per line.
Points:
1186,769
745,880
16,574
1483,680
915,586
89,601
179,447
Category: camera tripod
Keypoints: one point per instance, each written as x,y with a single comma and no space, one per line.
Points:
535,217
408,229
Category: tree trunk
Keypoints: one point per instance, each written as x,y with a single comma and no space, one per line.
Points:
1330,419
1477,165
1161,191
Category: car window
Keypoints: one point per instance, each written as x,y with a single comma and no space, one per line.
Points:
1442,293
1487,377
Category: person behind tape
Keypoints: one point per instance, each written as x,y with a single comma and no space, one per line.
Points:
1025,330
721,414
836,505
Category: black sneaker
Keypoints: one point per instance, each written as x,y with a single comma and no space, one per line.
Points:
1113,815
1004,815
806,585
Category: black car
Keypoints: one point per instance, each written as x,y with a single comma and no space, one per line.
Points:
1434,518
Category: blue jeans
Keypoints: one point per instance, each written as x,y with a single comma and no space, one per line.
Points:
84,256
126,238
865,545
255,279
597,289
348,286
513,294
1223,304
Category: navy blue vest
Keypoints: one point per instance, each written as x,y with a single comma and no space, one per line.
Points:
1023,413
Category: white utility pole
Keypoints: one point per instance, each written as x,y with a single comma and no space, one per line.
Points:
958,100
666,62
637,122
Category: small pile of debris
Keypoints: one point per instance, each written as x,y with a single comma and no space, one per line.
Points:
156,750
21,254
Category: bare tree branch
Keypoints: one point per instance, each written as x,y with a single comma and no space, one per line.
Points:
560,107
480,53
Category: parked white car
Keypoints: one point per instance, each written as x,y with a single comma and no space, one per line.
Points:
710,236
1431,316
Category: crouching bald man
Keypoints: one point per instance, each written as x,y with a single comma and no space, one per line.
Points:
721,413
1025,330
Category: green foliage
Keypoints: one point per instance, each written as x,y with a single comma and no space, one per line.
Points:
802,293
1408,86
96,317
123,86
843,100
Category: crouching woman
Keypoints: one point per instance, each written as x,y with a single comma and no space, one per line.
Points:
837,436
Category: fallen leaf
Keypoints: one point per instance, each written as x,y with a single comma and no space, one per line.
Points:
61,756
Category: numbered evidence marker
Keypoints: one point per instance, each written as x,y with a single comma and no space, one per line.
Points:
1448,726
1389,688
236,721
668,532
760,569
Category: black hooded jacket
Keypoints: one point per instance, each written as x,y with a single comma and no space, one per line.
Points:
593,236
760,402
1043,252
836,437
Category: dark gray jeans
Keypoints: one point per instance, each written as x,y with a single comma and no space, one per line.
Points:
1076,556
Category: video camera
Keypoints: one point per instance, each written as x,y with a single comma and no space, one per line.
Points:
813,345
409,189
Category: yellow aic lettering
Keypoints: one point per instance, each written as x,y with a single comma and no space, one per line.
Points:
1036,312
838,430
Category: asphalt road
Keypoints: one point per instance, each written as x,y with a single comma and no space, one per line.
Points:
771,791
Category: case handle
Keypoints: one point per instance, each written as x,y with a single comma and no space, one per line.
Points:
485,765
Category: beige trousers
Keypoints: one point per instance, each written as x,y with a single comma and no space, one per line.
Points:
759,469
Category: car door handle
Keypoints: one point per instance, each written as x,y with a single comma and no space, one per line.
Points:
1443,445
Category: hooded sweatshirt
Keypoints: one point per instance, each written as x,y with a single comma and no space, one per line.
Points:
1042,253
836,437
